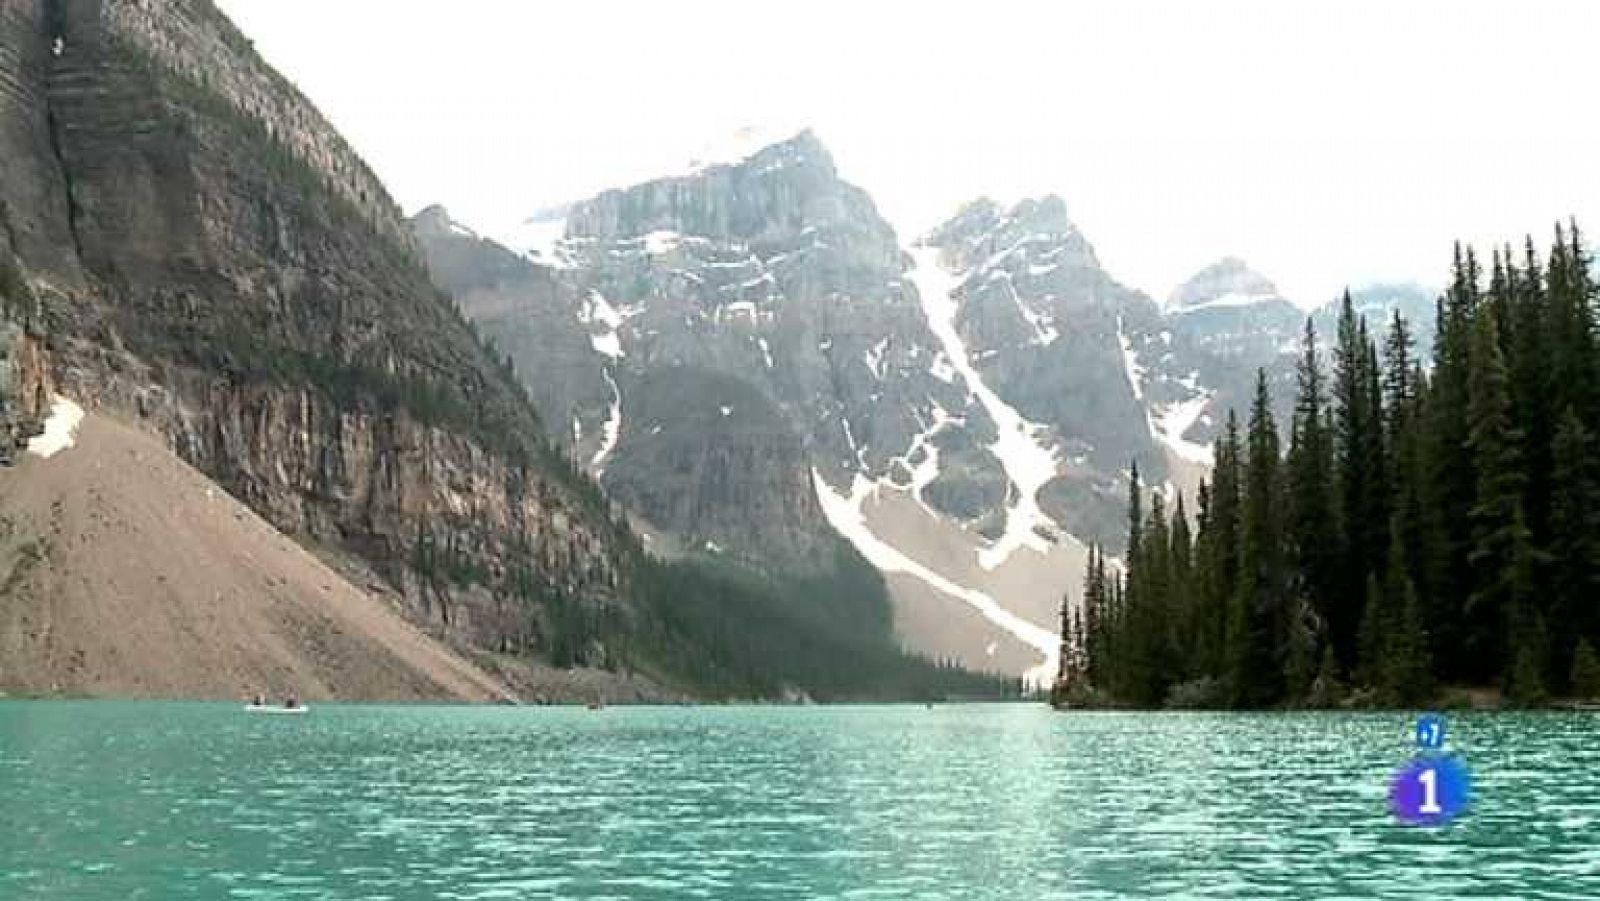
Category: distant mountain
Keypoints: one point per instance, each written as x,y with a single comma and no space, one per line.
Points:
1379,303
754,363
1227,282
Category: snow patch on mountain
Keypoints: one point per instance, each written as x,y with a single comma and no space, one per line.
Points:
1171,421
844,513
1224,301
540,237
926,468
1028,463
604,322
1044,331
660,242
611,432
1130,362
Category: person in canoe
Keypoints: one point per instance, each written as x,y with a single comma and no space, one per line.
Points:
291,703
260,700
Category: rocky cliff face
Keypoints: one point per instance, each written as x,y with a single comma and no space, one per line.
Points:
769,281
210,256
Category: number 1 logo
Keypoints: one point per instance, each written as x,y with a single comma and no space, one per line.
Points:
1430,791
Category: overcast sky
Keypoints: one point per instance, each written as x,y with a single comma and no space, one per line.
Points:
1331,143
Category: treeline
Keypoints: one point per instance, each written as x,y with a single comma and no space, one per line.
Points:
1423,528
729,632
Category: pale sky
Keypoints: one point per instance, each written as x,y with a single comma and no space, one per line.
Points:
1327,144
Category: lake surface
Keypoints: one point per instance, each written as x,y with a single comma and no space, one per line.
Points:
175,801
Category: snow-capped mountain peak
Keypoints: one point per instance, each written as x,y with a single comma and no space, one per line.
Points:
1228,282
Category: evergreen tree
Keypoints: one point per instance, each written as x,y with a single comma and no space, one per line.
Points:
1181,606
1222,547
1575,547
1500,539
1450,483
1314,540
1255,672
1359,460
1406,676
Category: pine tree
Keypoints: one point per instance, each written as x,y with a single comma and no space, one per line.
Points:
1314,540
1181,614
1449,480
1359,461
1499,532
1406,677
1222,546
1259,602
1575,547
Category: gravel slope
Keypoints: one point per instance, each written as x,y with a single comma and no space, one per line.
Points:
124,572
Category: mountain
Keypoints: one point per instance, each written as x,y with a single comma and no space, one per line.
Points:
776,368
753,363
1228,282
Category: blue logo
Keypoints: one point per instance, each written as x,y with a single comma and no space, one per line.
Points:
1430,791
1430,732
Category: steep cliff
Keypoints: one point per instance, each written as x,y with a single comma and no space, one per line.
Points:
208,255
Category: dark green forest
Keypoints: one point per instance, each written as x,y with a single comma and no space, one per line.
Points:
732,632
1425,530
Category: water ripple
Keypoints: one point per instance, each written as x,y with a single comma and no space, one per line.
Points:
179,801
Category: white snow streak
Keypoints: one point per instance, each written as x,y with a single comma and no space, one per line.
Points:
60,429
607,343
844,514
1028,463
1226,300
597,311
659,242
924,473
612,430
766,351
875,358
1174,419
1043,331
1130,363
850,439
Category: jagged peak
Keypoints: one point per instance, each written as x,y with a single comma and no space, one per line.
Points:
435,219
983,228
1229,280
762,146
1047,213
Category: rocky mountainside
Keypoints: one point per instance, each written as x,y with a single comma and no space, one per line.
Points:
753,322
106,577
186,241
752,362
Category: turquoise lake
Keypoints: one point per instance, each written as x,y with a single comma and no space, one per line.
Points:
177,800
